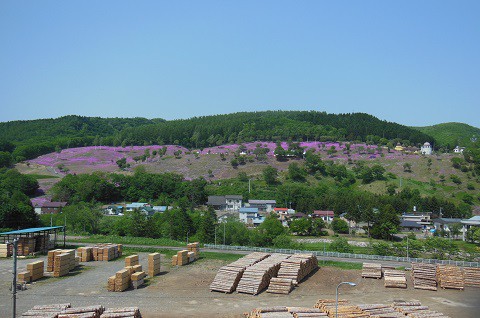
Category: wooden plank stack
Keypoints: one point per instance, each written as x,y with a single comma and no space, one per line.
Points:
36,270
472,276
228,276
270,312
26,245
64,262
195,248
395,279
153,264
424,276
297,267
122,280
106,252
24,277
257,277
131,260
128,312
372,270
85,254
303,312
4,250
51,259
380,310
137,279
280,286
450,277
345,310
415,309
182,258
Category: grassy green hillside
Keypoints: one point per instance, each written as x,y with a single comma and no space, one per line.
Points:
451,134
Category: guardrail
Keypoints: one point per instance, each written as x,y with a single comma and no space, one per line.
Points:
345,255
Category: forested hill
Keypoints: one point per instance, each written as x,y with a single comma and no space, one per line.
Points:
450,135
36,137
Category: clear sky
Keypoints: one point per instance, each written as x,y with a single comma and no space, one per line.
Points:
412,62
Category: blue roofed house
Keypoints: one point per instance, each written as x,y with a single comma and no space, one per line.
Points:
135,205
250,216
262,205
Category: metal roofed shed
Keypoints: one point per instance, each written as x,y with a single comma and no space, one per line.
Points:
34,240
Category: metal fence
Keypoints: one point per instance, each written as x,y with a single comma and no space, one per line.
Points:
345,255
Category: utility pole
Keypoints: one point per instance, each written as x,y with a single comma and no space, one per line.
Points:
249,185
14,283
224,233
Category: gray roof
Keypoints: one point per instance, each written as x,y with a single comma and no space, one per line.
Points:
262,201
447,220
234,197
410,224
216,200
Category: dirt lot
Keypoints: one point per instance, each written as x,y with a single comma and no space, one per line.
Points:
183,291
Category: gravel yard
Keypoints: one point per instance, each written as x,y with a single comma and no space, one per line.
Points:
183,291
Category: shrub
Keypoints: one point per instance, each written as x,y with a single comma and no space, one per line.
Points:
340,244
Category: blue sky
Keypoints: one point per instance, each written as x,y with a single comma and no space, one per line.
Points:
412,62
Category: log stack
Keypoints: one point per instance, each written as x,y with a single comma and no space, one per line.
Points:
395,279
85,253
297,267
83,312
36,270
280,286
131,260
270,312
257,277
4,250
380,310
424,276
129,312
472,276
301,312
450,277
372,270
228,276
153,264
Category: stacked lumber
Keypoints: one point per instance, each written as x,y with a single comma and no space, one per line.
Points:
26,245
4,250
195,248
46,311
111,283
182,258
301,312
228,276
270,312
297,267
153,264
372,270
450,277
345,311
380,310
36,270
63,263
85,253
424,276
51,259
131,260
129,312
395,279
257,277
106,252
137,279
280,286
42,242
122,280
323,304
24,277
472,276
415,309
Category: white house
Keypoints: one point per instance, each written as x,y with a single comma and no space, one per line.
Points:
250,216
458,149
234,202
426,149
262,205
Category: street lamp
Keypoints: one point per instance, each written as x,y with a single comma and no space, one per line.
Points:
336,295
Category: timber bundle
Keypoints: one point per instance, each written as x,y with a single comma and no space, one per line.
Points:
130,276
424,276
280,286
380,310
372,270
415,309
257,277
288,312
184,257
106,252
228,276
5,251
153,264
66,311
395,278
34,272
297,267
472,276
450,277
61,262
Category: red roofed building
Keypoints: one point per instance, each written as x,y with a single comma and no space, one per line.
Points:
326,216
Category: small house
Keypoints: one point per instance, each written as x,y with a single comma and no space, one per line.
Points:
326,216
262,205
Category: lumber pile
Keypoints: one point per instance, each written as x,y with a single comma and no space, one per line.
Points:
450,277
85,253
122,280
228,276
51,259
137,279
128,312
280,286
380,310
131,260
5,251
424,276
106,252
415,309
372,270
24,276
129,276
472,276
270,312
36,270
195,248
395,279
26,245
153,264
297,267
63,262
257,277
301,312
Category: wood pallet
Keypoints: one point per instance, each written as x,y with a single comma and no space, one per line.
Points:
472,276
372,270
424,276
395,279
450,277
228,276
257,277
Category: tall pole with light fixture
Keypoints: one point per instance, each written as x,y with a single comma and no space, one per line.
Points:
336,295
